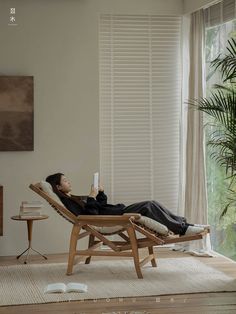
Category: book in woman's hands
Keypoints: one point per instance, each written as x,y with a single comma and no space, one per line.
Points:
96,180
60,287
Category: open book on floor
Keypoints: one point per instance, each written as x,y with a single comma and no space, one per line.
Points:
60,287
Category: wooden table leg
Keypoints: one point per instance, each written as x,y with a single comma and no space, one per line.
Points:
30,230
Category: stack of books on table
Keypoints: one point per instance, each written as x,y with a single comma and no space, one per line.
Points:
31,209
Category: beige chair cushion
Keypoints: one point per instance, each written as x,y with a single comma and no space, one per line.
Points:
153,225
145,221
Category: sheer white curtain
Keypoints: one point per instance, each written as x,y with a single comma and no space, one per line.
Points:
193,194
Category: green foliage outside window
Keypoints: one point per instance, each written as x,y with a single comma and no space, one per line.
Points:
223,230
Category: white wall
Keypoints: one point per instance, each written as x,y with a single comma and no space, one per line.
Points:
56,41
190,6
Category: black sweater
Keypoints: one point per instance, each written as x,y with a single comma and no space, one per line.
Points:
92,206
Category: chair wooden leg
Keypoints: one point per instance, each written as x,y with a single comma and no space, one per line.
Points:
134,245
72,252
153,261
91,241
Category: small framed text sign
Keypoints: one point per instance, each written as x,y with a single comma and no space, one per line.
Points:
16,113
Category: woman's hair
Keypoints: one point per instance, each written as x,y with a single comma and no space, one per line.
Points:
54,180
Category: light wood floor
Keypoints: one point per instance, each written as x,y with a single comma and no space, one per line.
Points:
199,303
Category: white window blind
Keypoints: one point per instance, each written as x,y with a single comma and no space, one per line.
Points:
220,13
140,98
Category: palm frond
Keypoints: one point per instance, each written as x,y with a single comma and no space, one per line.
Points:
221,105
230,89
225,209
227,64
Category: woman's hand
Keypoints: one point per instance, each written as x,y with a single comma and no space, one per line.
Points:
93,192
100,188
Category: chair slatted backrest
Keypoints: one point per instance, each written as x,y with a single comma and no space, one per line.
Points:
63,211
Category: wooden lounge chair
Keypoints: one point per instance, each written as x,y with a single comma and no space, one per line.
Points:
98,227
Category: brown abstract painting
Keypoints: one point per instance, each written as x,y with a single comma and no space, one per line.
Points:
16,113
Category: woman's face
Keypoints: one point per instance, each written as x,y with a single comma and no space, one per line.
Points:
65,185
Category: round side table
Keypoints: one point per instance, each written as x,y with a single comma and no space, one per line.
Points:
29,221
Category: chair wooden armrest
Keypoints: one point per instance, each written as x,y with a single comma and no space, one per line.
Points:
108,217
107,220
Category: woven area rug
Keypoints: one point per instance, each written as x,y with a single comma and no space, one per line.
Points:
24,284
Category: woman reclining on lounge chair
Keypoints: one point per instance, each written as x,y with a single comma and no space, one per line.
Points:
96,204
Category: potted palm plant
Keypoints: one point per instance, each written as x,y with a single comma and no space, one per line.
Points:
221,107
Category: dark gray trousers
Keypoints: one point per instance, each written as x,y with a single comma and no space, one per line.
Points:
158,212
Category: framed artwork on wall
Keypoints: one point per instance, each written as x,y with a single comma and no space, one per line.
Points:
16,113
